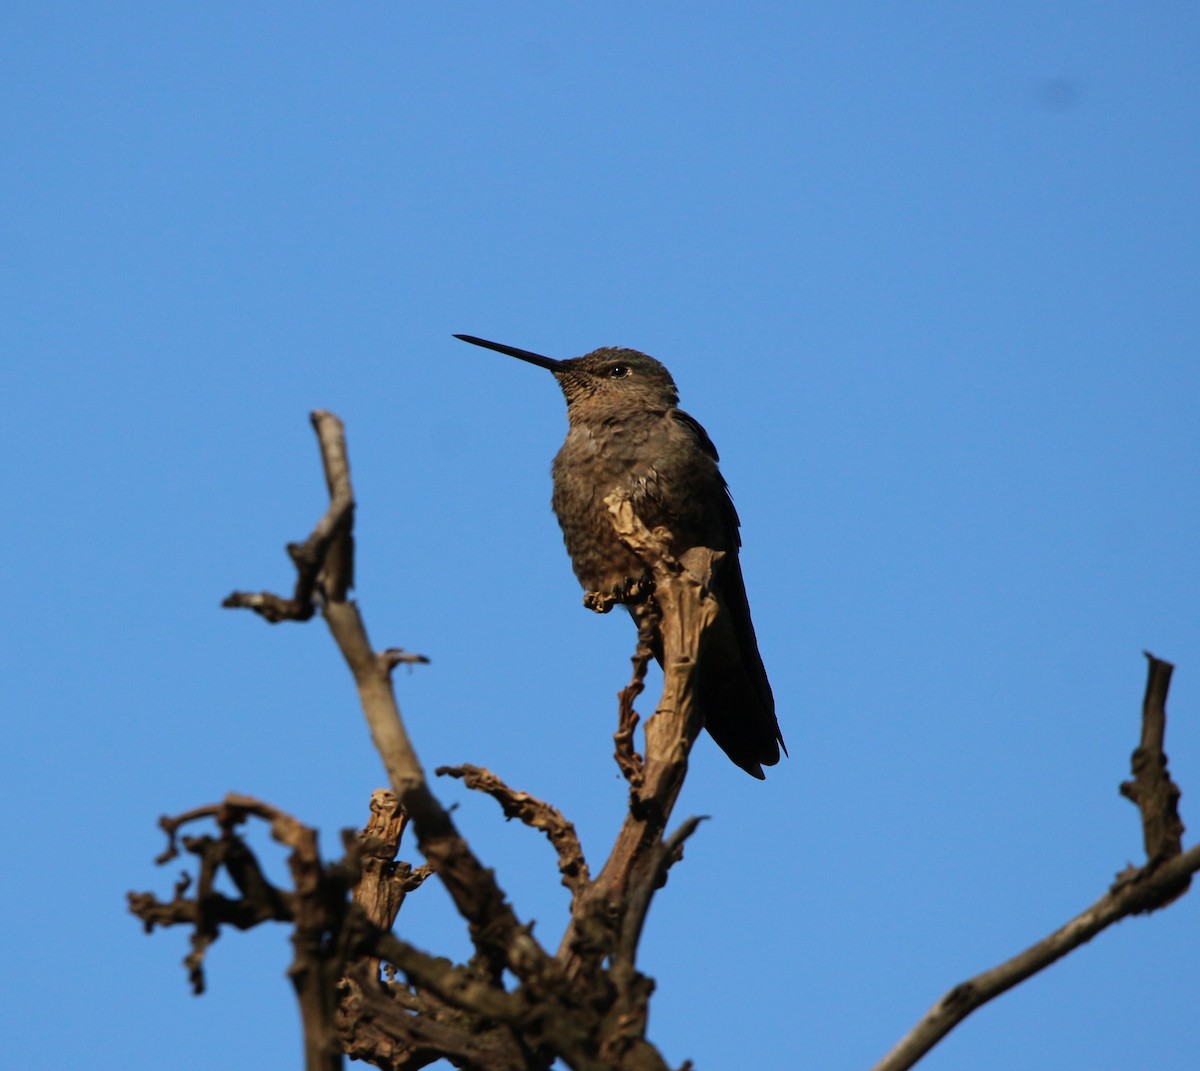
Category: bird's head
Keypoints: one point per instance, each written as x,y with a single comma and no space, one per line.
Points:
607,378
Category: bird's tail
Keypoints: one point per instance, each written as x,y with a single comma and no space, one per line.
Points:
735,695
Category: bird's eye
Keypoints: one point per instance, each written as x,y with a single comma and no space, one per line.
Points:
618,371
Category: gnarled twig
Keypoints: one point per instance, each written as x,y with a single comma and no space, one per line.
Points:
535,813
1152,790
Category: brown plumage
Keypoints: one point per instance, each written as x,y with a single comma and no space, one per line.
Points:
626,431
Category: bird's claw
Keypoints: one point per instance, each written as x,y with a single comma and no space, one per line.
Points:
629,592
599,602
636,589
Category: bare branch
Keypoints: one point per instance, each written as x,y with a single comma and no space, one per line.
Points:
324,564
1129,898
207,910
396,1030
1152,790
316,906
472,1013
397,656
653,878
628,760
535,813
383,882
1164,877
447,1010
687,610
588,1006
326,557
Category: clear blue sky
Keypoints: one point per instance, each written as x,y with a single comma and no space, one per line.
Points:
928,273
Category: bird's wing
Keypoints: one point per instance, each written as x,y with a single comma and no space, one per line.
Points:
739,707
697,430
729,515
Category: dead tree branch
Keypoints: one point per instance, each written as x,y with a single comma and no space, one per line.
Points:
325,560
316,906
1152,790
535,813
366,992
441,1010
593,1019
325,567
628,760
1137,890
686,610
383,881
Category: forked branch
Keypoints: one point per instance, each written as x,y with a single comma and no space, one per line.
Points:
324,564
594,1020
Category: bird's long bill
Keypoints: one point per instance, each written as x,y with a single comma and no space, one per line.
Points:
512,351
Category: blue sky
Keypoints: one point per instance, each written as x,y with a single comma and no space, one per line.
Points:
926,272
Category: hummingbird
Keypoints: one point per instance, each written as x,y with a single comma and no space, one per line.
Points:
626,432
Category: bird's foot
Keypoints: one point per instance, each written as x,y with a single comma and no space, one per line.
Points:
636,589
599,602
629,592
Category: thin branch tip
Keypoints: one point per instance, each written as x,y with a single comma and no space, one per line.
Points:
392,657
